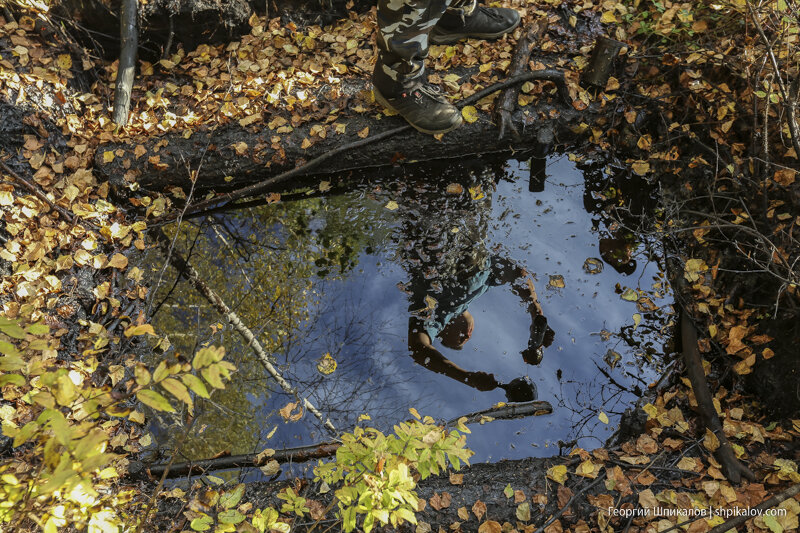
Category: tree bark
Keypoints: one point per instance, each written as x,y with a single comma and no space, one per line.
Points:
126,71
162,163
731,466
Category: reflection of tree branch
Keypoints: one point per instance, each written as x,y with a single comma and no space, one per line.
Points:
192,276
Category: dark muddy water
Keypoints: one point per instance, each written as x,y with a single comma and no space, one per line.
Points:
348,273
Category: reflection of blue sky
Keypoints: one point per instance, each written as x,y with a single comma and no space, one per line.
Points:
363,321
548,239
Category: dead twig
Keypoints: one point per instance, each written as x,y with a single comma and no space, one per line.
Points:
507,101
575,496
506,412
297,454
38,193
791,492
785,94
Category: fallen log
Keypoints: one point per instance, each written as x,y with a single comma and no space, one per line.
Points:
191,468
247,155
321,450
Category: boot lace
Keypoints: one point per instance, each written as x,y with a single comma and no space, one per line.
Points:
491,13
432,91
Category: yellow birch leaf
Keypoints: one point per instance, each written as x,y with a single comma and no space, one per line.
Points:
469,113
558,473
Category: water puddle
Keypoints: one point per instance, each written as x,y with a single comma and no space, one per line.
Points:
346,274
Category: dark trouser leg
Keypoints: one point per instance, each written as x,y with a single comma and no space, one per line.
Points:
403,27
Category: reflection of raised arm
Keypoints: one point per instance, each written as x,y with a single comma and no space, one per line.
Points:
506,271
426,355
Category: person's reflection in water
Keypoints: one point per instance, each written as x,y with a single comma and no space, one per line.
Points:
450,266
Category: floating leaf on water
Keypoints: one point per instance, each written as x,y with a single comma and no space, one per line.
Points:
508,491
476,193
143,329
326,365
557,281
641,167
430,303
629,295
612,358
603,417
287,412
593,265
454,188
391,205
637,318
324,186
271,468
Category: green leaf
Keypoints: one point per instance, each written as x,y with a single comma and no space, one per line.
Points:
196,386
12,379
11,328
64,390
202,523
142,375
524,511
161,371
91,444
38,329
212,375
508,491
61,429
28,430
232,497
231,516
206,356
9,363
154,400
772,524
6,348
177,389
629,295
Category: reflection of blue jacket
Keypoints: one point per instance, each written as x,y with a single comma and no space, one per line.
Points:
453,299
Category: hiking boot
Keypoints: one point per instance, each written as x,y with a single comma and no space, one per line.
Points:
482,23
423,106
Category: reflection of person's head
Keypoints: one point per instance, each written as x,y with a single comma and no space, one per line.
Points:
458,331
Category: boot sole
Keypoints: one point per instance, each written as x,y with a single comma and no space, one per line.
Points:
451,38
381,100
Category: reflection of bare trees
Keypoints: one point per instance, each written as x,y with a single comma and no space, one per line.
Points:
366,350
262,262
